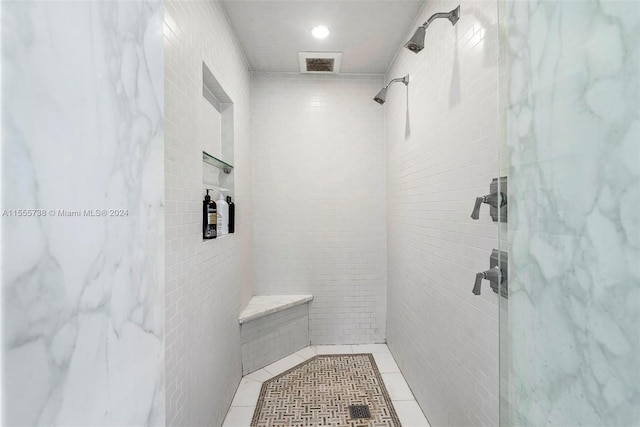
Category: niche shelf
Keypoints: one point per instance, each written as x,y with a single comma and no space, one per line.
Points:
216,134
214,161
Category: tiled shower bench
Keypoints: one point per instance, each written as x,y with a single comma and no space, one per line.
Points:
272,327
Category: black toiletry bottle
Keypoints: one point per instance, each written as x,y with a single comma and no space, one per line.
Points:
232,215
209,219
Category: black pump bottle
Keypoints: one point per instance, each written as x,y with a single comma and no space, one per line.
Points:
232,215
209,218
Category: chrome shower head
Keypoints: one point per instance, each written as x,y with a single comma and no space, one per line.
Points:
381,97
416,44
454,15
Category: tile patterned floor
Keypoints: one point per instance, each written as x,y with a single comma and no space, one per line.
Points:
320,391
409,413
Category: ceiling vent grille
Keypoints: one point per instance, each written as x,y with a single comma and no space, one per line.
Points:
320,62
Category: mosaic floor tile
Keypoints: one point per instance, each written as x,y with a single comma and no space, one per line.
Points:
319,392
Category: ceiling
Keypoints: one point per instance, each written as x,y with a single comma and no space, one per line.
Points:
369,33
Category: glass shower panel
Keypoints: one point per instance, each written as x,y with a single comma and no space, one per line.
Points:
503,228
570,329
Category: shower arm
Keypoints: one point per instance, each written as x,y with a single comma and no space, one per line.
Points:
435,16
404,80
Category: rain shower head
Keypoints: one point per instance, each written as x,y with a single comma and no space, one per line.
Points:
416,44
381,97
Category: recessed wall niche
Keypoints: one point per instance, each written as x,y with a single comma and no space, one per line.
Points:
216,126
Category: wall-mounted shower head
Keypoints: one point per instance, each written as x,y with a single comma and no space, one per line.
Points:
416,44
381,97
454,15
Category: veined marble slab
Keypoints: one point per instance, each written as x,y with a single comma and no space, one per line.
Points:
261,305
82,294
574,213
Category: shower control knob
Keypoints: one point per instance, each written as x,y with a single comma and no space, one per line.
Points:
495,200
476,208
493,275
497,275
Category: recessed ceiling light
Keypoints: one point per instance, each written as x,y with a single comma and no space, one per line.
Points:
320,32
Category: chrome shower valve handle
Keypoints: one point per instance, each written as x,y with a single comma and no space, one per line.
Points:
494,274
496,200
497,275
476,209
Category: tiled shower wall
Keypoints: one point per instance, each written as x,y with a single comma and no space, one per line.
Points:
319,216
206,282
442,152
272,337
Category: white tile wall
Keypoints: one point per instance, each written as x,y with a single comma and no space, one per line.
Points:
442,153
319,185
207,283
272,337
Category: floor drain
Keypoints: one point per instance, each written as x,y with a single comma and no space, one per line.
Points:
359,411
